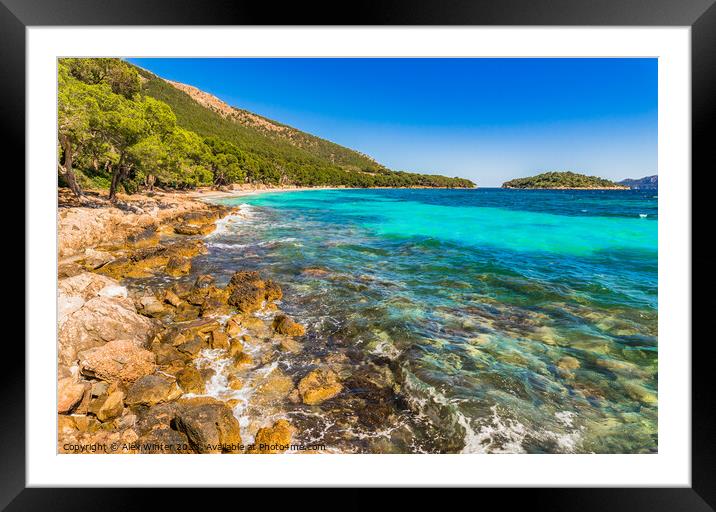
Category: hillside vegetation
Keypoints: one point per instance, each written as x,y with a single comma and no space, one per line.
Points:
562,179
122,127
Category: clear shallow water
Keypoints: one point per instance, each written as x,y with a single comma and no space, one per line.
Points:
511,321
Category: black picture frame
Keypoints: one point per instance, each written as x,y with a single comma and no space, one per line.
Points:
700,15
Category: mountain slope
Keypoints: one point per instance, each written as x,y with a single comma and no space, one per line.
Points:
282,153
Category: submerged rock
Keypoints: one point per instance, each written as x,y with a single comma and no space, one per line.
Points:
178,266
318,386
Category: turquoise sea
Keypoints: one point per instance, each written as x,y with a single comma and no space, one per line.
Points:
506,320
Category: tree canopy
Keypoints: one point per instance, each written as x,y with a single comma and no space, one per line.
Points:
121,127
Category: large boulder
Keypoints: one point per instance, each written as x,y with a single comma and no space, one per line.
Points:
319,386
118,360
153,389
209,425
94,310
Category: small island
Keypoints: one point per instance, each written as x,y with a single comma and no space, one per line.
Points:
563,180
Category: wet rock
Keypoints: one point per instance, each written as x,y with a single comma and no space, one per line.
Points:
233,327
284,325
178,266
112,407
186,249
117,360
318,386
235,347
218,339
186,312
248,291
252,323
288,344
242,359
172,298
145,238
209,425
190,380
152,307
163,440
153,389
167,355
274,388
235,382
69,394
192,229
274,439
192,347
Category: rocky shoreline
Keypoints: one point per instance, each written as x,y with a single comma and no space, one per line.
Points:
136,364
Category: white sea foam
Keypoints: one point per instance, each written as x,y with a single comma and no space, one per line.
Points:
643,215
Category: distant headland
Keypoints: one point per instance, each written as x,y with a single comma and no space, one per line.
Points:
563,180
645,183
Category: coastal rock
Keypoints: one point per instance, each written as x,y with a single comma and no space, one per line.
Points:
69,394
153,389
89,285
209,425
178,266
275,387
94,310
274,439
318,386
163,440
248,291
192,347
192,229
152,307
112,406
172,298
190,380
148,237
117,360
233,327
284,325
219,339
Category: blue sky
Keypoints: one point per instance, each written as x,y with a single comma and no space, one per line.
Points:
489,120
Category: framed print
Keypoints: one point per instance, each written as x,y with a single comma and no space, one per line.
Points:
429,248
